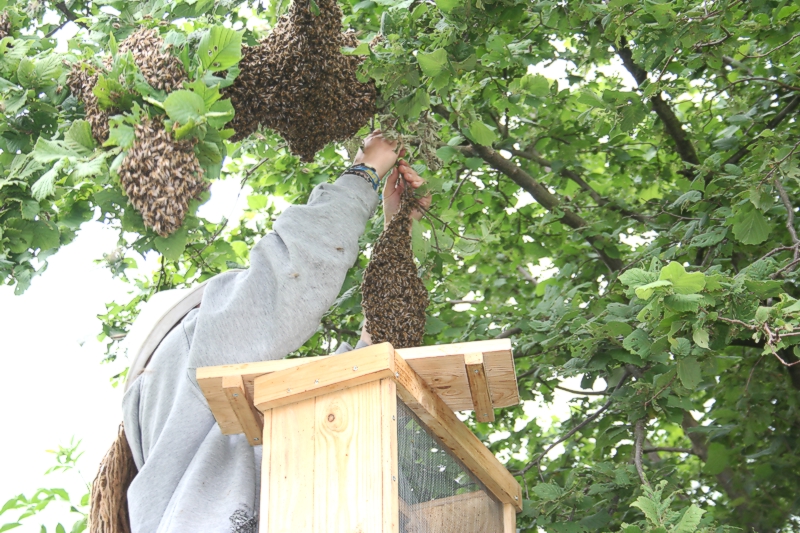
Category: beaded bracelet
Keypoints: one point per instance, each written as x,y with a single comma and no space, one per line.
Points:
366,172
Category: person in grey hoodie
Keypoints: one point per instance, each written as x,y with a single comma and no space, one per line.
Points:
192,478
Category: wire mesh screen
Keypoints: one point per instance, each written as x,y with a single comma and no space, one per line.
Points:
437,493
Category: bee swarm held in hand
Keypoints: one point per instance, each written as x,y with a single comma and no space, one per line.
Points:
161,69
394,298
298,83
160,177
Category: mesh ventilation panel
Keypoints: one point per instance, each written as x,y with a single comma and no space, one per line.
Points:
437,493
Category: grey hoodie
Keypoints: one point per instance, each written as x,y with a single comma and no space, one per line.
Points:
192,478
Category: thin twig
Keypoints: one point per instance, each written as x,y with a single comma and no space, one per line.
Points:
668,449
789,212
577,428
774,49
639,434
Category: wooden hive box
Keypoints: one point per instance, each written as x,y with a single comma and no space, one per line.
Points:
369,442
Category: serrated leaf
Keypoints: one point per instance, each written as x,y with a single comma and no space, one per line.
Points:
681,346
448,5
46,184
183,106
432,63
49,151
689,371
710,238
646,291
45,235
750,226
682,281
700,338
548,491
79,137
89,168
25,75
172,247
683,303
649,508
220,113
482,134
220,48
717,459
638,342
120,135
689,521
636,277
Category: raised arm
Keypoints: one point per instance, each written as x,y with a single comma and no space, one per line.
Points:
295,274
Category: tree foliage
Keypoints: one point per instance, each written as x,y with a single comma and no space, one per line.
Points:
616,193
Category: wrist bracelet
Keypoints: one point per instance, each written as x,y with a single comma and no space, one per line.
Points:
366,172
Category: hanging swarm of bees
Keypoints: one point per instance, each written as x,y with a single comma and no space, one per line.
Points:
81,80
5,25
394,298
298,83
160,177
161,69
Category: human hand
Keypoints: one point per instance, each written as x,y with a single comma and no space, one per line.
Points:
378,153
401,176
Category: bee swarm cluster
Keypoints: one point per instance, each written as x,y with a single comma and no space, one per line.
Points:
394,298
161,69
160,177
298,83
5,25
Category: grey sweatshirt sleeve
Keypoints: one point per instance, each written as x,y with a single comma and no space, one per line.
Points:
295,274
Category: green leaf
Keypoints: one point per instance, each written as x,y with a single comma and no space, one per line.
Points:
482,134
183,105
750,226
683,282
700,337
46,184
25,74
536,85
689,521
49,151
689,372
120,135
45,235
9,526
172,247
646,291
220,113
718,455
432,63
681,346
79,137
448,5
638,342
649,508
220,48
683,303
636,277
548,491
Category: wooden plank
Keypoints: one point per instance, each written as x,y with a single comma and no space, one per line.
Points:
348,485
479,387
250,420
389,464
441,366
209,379
291,469
324,376
473,512
266,450
442,421
509,519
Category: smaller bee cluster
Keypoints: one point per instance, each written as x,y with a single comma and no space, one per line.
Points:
81,80
298,83
394,298
161,176
159,67
5,25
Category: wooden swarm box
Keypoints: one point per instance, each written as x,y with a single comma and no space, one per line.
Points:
369,442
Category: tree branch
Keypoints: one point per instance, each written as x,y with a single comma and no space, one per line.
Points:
544,197
771,125
531,155
672,124
668,449
62,7
510,332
